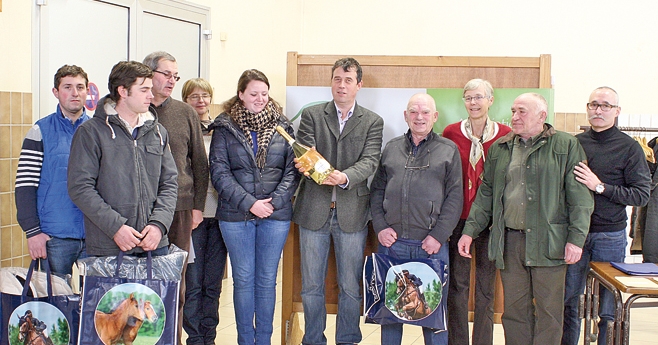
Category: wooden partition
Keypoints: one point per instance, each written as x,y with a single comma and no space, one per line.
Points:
399,72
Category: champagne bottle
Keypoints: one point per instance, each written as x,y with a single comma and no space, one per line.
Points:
311,160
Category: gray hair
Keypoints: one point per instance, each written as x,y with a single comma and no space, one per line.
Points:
611,89
475,83
154,58
540,102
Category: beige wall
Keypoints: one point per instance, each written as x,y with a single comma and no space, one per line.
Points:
259,35
592,43
15,45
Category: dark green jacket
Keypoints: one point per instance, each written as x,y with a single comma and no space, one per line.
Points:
558,208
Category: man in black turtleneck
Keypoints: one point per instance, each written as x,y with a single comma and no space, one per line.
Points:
617,173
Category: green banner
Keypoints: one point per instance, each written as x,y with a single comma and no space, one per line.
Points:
451,107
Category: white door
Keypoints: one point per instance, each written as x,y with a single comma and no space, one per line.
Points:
95,35
182,40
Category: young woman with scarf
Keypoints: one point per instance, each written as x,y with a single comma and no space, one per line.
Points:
251,166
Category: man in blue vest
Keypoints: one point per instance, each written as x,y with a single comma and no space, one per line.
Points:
53,225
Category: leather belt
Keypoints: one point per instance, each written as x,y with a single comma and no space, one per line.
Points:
517,230
332,205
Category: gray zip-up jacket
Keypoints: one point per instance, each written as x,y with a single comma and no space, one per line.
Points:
418,195
116,180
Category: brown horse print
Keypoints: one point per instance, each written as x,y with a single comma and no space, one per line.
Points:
110,326
29,333
132,327
409,304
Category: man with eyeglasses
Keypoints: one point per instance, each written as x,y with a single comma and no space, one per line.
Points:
539,216
420,177
186,142
473,136
617,173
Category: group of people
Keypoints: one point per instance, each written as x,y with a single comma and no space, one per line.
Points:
147,171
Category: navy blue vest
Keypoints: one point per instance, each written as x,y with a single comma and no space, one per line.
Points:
58,216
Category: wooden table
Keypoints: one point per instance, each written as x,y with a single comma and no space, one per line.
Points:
619,329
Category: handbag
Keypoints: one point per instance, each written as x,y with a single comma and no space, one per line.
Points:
47,320
12,280
118,309
410,291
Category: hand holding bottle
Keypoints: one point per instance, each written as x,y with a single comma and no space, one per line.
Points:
300,166
309,161
336,178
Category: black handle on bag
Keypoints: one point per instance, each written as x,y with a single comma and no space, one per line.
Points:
28,278
392,253
149,264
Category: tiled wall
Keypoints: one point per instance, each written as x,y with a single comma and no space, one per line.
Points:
15,121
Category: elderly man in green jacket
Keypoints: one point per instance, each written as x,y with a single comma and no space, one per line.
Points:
540,216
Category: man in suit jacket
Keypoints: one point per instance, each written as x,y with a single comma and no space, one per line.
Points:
350,138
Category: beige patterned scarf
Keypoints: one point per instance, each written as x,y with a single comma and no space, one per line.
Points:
476,156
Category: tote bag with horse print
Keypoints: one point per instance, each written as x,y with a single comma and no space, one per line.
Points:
411,291
119,310
49,320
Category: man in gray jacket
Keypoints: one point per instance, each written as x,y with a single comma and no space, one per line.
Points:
121,172
416,197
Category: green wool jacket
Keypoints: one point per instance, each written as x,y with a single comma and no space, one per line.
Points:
558,207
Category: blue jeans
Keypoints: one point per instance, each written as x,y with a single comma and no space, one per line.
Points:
203,280
348,247
255,248
392,334
63,253
599,246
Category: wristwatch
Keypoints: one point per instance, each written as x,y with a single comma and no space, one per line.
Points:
600,188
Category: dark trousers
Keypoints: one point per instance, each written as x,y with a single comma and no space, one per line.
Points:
650,236
179,235
203,281
460,278
525,322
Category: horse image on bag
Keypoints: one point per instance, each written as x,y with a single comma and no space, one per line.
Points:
147,313
31,330
411,304
120,326
128,313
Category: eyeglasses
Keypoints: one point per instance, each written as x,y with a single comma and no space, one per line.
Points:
196,97
477,98
604,106
168,75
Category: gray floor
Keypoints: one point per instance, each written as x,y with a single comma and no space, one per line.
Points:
644,324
